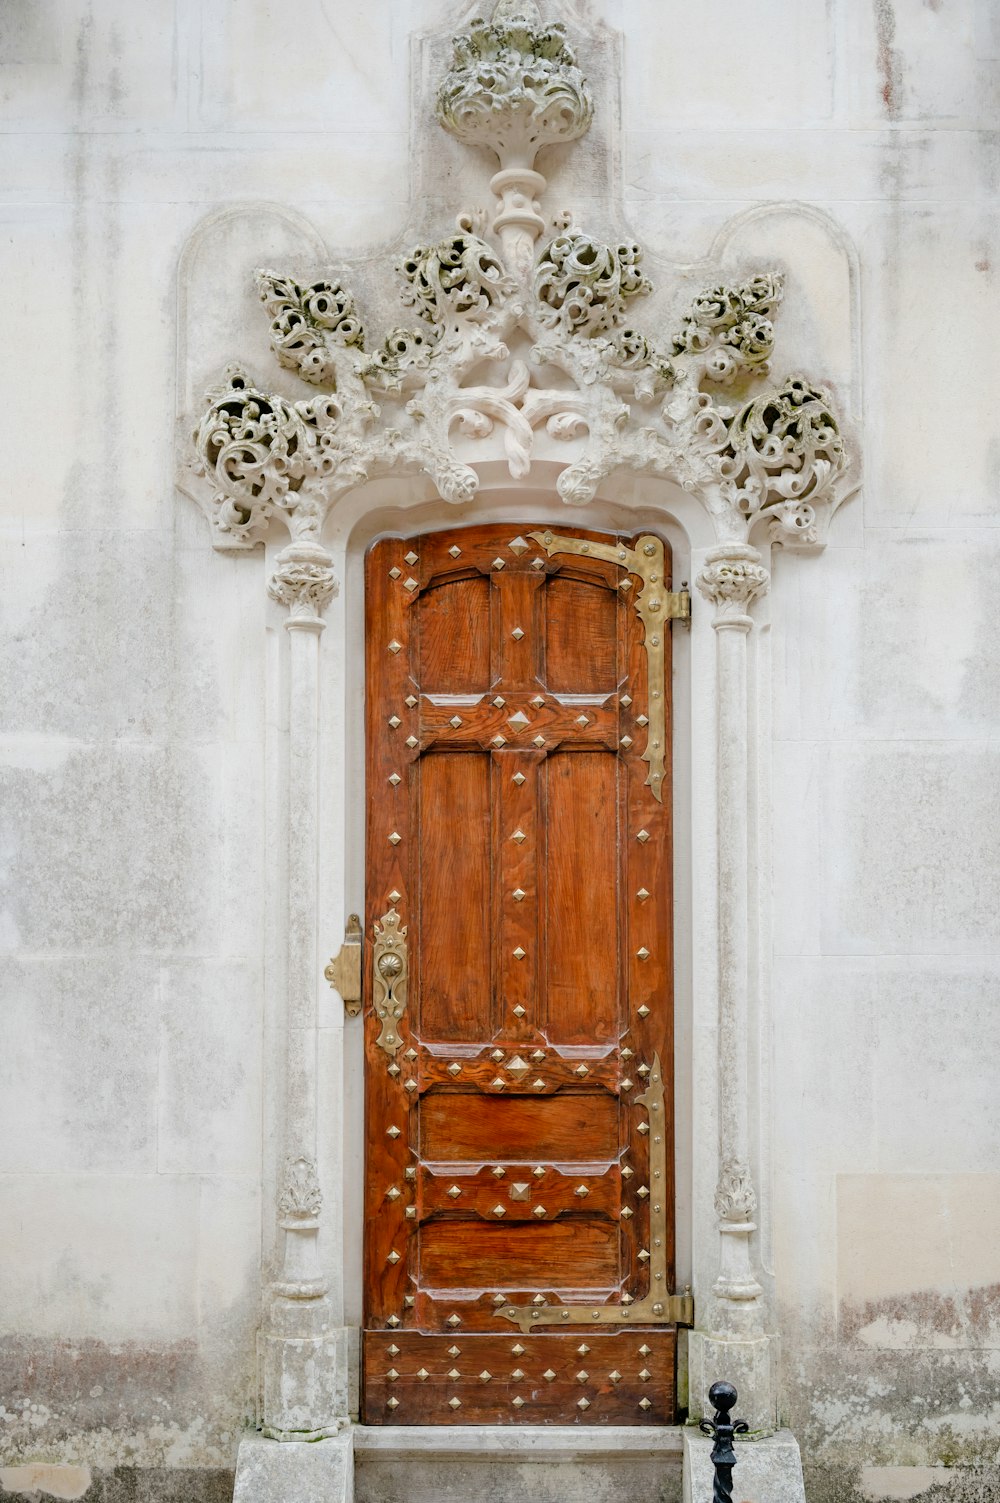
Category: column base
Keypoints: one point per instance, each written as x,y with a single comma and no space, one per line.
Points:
766,1471
272,1471
750,1363
304,1385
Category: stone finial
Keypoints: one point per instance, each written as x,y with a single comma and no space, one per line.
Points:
514,86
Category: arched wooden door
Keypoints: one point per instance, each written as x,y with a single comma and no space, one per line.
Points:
519,1243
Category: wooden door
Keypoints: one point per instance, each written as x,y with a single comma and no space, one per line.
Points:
519,1249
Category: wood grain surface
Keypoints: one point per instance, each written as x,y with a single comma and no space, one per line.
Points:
509,826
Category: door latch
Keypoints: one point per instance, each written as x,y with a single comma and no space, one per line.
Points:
344,970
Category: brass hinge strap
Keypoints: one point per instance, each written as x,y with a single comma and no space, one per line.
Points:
657,1307
655,604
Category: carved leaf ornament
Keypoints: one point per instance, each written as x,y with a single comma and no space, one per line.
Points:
623,398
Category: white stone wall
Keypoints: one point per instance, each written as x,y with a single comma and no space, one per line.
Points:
138,955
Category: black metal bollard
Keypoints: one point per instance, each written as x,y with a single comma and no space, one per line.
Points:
722,1429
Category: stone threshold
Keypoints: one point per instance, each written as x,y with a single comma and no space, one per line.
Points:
521,1442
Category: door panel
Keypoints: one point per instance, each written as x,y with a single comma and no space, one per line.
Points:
519,1123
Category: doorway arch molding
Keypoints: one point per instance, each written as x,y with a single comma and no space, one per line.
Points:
522,375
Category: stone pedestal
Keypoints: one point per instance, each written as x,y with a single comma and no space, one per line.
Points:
304,1382
766,1471
748,1362
274,1471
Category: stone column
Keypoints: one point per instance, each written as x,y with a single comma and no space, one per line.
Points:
730,1343
302,1354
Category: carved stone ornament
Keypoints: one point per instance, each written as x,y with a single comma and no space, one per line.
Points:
511,338
304,581
300,1198
735,1199
732,579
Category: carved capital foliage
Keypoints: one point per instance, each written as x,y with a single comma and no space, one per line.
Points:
300,1198
732,579
514,86
735,1197
515,352
304,581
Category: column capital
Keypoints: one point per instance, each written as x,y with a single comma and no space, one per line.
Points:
303,581
733,576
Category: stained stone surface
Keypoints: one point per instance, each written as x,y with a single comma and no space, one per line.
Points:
152,163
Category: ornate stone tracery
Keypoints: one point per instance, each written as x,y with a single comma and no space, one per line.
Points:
775,455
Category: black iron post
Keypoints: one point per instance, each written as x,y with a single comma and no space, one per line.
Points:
722,1429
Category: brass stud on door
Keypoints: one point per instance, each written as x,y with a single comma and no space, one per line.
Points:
393,1257
410,558
518,545
454,1068
642,836
643,1011
645,1351
625,700
454,1403
615,1377
393,1350
423,1375
642,894
455,722
455,550
412,741
539,1211
485,1375
538,741
410,701
394,573
394,779
393,1193
582,1375
645,1375
626,1214
581,1191
498,564
395,646
454,1320
392,1375
519,896
410,584
645,1404
583,1403
453,1193
392,1403
454,1351
395,721
394,897
392,1132
393,1321
454,1375
517,1375
518,778
517,1350
518,1011
517,634
582,1351
642,1192
518,1402
498,1172
519,953
548,1375
395,838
